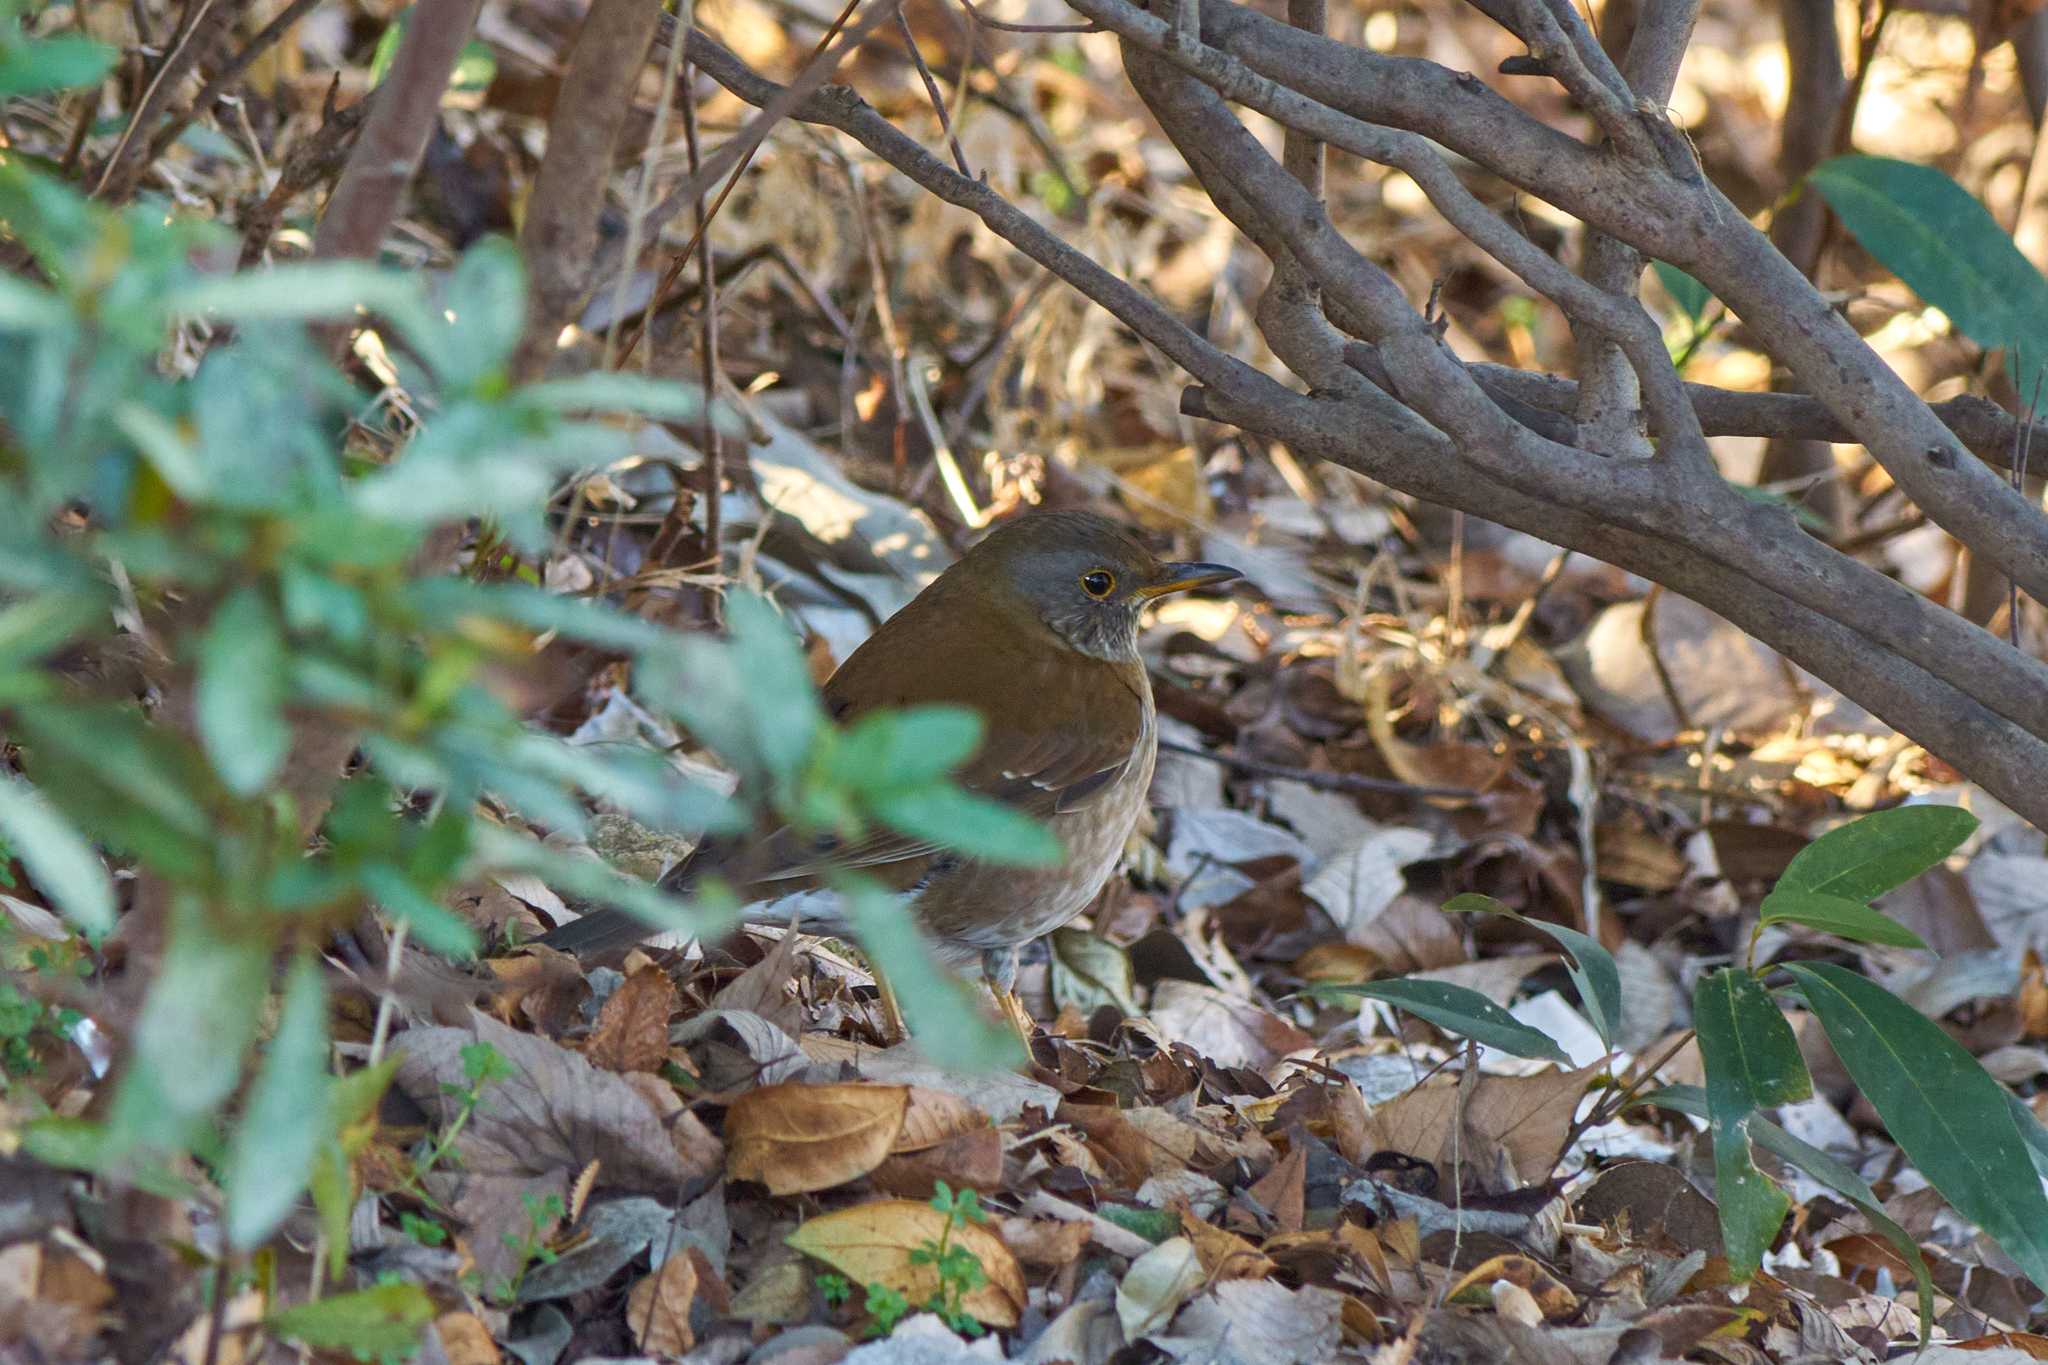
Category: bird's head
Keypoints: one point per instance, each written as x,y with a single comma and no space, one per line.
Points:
1084,576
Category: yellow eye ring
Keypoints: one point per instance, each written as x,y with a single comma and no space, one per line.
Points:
1098,583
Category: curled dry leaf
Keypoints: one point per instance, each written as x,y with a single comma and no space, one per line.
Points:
795,1138
871,1244
631,1033
1552,1297
1156,1285
658,1309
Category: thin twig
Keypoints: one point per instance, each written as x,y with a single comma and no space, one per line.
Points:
931,89
225,78
1008,27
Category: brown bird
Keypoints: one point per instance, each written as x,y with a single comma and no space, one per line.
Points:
1035,628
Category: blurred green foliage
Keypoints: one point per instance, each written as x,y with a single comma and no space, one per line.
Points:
208,576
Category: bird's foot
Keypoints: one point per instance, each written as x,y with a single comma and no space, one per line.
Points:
1014,1014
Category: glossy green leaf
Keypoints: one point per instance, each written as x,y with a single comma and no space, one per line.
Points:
286,1117
1947,1114
385,1320
1836,915
944,1017
1591,966
1935,236
1752,1062
1689,294
1460,1010
1691,1099
65,866
1874,853
1751,1057
240,692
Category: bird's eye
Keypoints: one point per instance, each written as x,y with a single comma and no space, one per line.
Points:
1098,583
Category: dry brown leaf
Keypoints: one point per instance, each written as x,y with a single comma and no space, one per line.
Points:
1338,963
936,1116
1226,1029
795,1138
1553,1298
1526,1116
2028,1344
970,1161
1044,1241
658,1308
871,1244
1265,1322
1282,1191
631,1033
465,1340
1224,1254
533,1131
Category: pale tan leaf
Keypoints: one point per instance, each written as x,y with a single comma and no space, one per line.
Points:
658,1308
871,1244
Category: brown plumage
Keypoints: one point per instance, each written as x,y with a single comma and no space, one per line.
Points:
1035,628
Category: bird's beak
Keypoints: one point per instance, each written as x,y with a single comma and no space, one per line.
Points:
1181,577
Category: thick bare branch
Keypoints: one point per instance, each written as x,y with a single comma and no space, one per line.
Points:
559,236
394,135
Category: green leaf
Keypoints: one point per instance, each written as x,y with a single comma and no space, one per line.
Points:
907,747
195,1029
173,457
1751,1057
24,307
1752,1062
1935,236
1460,1010
315,289
749,698
616,391
64,865
386,1320
486,307
432,924
1836,915
1591,966
951,818
82,1145
1874,853
241,690
500,850
1689,294
61,62
286,1117
1690,1099
1947,1114
942,1014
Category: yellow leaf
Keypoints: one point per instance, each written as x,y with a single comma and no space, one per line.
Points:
871,1244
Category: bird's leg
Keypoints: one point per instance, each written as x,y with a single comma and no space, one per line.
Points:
999,969
892,1014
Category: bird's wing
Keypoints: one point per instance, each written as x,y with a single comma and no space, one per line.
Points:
1061,727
